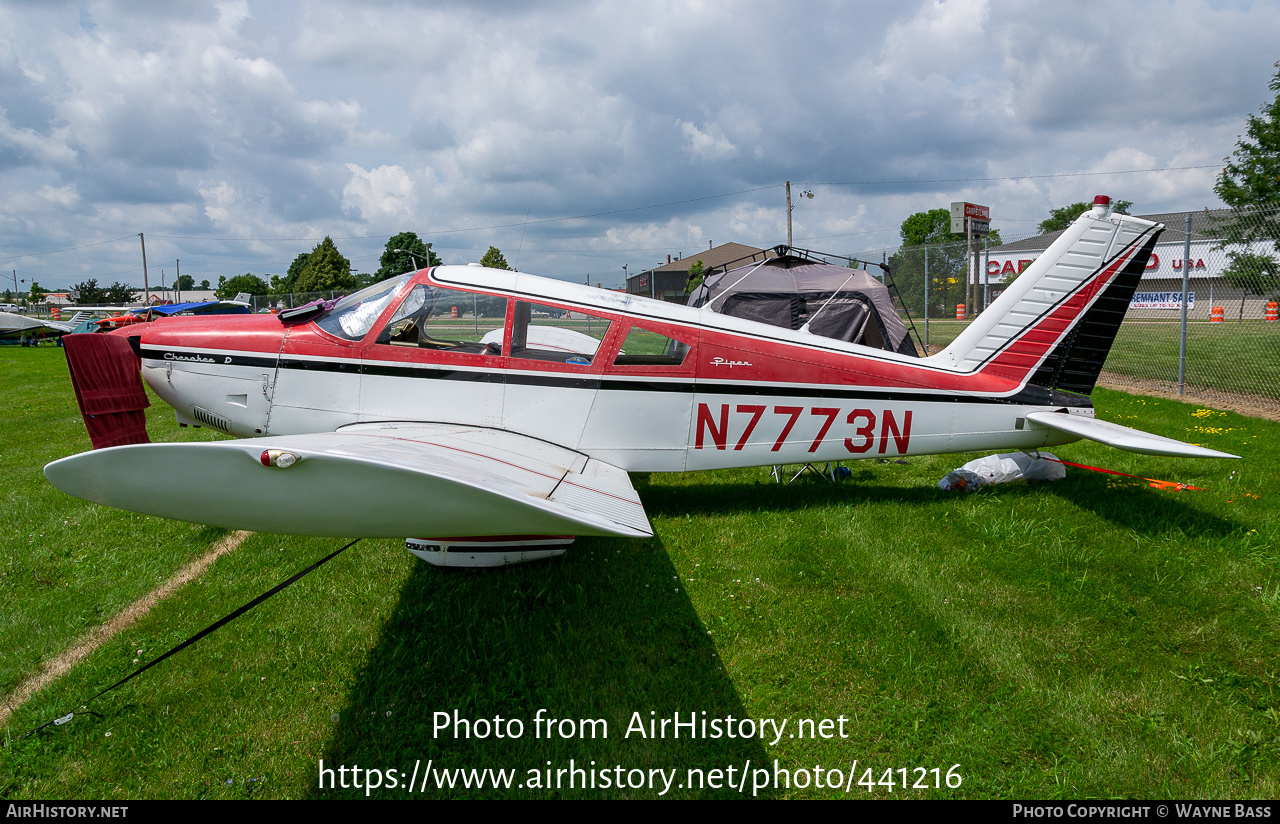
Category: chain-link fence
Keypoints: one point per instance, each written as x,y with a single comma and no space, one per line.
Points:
1228,348
288,300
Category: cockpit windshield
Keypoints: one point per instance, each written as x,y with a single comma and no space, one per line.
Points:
353,316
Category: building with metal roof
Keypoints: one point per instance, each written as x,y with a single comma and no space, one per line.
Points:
668,281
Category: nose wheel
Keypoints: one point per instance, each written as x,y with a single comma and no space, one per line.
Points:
493,551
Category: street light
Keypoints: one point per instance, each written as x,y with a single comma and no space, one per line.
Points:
806,193
411,255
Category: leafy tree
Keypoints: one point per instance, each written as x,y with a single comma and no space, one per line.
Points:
1254,273
248,283
1250,185
394,262
8,296
204,284
928,228
1060,219
119,294
185,283
494,259
326,269
89,293
290,278
36,295
931,231
696,275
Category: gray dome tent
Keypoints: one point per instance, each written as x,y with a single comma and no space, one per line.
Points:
791,291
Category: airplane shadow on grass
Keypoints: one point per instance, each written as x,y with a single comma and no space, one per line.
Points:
1134,506
1146,511
604,633
737,498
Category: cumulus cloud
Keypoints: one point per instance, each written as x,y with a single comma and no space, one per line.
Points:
700,145
384,196
263,119
432,135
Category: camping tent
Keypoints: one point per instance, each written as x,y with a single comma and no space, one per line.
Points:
792,291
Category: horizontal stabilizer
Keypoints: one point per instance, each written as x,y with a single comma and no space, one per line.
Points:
370,480
1121,437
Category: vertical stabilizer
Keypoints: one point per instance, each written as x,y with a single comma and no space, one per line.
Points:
1054,325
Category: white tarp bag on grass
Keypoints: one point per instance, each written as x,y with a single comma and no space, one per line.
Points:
1002,469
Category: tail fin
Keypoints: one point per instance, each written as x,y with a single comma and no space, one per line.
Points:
1055,324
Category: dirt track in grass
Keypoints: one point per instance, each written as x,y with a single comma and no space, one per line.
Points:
125,619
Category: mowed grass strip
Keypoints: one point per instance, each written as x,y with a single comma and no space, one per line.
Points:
1088,637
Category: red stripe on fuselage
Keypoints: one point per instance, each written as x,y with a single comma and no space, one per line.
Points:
243,333
722,356
1025,353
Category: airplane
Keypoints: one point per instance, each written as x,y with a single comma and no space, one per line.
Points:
19,328
396,411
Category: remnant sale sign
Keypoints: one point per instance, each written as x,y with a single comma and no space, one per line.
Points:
1161,300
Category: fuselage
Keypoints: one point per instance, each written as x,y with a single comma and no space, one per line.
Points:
641,384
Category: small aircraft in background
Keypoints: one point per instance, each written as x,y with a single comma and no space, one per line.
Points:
506,410
22,329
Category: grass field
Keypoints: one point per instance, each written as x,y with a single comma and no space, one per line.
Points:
1092,637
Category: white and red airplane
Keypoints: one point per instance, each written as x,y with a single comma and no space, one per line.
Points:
379,417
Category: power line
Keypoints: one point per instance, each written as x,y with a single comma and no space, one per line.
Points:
1012,177
435,232
73,248
638,209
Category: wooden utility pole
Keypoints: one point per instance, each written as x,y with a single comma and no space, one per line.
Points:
788,214
146,287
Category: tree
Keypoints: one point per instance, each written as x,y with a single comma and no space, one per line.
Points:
494,259
1250,185
185,283
931,231
248,283
286,283
204,284
89,293
1060,219
326,269
405,252
119,294
696,275
36,295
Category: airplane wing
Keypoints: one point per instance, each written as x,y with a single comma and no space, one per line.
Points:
14,326
1121,437
387,480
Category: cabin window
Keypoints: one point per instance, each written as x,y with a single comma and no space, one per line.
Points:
432,317
644,347
354,315
550,333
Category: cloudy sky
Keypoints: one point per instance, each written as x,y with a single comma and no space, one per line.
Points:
579,137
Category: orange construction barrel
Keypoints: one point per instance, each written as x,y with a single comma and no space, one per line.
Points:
959,311
1273,311
1215,314
455,312
56,313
